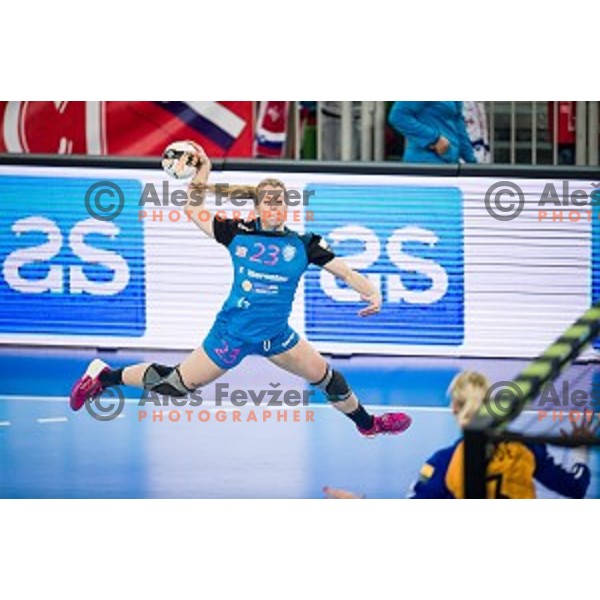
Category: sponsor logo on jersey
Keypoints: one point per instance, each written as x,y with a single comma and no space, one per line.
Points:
241,251
289,252
268,276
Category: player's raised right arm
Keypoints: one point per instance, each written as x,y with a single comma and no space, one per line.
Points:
194,207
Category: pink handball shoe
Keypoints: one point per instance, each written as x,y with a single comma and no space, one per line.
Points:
388,423
88,386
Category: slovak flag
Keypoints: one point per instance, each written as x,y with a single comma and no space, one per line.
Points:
271,129
212,120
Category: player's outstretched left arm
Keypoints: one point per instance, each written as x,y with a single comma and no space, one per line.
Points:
359,283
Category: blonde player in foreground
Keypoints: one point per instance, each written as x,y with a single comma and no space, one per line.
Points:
513,467
268,261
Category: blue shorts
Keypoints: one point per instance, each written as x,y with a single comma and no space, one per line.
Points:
227,351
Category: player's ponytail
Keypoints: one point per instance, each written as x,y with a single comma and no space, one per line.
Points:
254,192
226,190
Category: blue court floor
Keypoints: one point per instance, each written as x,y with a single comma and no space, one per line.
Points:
47,451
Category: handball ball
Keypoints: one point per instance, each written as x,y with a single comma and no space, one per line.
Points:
179,160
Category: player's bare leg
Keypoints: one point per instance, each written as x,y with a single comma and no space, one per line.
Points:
305,361
197,369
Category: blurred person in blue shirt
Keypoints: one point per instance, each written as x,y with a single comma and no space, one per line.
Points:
435,132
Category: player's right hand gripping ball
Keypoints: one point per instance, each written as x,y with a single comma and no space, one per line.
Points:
180,160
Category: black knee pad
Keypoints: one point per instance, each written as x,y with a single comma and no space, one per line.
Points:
338,389
161,370
165,381
334,385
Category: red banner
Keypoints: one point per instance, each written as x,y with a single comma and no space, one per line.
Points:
566,121
126,128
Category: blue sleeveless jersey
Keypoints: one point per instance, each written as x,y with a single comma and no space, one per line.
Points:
267,267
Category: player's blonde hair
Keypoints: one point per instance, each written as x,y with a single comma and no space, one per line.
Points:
270,182
467,392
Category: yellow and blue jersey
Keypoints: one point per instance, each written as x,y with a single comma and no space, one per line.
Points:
267,267
511,473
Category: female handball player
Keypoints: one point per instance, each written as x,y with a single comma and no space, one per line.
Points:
268,260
